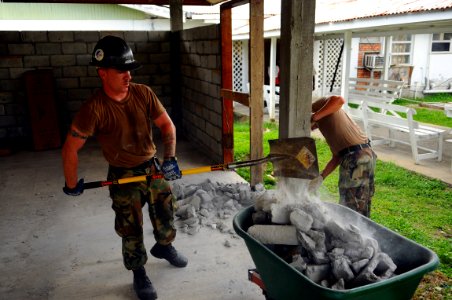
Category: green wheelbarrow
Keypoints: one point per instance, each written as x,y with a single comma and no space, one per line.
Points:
280,281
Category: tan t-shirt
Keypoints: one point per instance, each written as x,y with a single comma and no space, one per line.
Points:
339,130
123,129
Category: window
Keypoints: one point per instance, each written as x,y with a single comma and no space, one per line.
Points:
441,42
401,49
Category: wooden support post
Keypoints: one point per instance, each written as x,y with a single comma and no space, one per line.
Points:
297,43
256,87
226,82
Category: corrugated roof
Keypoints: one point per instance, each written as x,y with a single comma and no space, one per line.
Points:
329,11
342,11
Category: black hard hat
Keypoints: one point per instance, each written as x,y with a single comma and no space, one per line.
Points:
113,52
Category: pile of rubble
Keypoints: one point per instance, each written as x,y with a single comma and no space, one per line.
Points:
332,254
211,204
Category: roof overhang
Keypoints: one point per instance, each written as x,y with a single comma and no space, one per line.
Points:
149,2
426,22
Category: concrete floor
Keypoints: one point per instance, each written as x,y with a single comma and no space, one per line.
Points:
60,247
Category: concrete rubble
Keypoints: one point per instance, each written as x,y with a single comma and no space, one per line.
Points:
210,204
333,254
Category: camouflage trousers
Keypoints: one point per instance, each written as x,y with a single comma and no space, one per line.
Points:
356,180
128,202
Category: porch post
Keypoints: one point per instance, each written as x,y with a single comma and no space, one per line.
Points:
271,102
256,87
226,82
297,41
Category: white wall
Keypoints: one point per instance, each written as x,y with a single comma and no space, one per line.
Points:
429,66
440,66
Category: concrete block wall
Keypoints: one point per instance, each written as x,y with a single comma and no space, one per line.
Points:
201,76
68,54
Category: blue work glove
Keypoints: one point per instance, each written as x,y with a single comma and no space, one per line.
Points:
170,169
78,190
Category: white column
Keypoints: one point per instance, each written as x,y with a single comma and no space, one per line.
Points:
346,64
271,102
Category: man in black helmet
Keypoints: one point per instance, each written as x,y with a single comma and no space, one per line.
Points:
121,115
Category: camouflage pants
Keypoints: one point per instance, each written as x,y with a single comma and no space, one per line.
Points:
356,180
128,202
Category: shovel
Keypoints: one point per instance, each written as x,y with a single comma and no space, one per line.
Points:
291,157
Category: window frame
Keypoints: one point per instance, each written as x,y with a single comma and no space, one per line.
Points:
409,54
441,40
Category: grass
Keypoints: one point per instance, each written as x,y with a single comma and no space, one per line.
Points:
415,206
425,115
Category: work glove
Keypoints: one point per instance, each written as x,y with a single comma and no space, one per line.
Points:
77,190
170,169
315,184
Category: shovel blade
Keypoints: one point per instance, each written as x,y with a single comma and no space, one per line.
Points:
301,157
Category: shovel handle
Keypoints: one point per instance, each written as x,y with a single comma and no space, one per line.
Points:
98,184
205,169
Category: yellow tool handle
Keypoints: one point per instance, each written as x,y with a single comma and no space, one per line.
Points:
204,169
133,179
96,184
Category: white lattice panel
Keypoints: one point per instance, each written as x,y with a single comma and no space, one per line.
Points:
329,51
237,66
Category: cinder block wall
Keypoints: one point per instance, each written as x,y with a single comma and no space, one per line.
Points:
201,76
68,55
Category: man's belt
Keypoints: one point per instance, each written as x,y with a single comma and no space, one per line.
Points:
353,148
153,162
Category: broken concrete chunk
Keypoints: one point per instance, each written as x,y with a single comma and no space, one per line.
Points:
341,269
301,220
299,263
319,257
280,214
336,253
386,266
306,241
358,265
317,273
339,285
274,234
319,238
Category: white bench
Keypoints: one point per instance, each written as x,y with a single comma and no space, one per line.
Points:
387,116
368,89
377,90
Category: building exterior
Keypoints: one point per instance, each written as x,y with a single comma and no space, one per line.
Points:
399,39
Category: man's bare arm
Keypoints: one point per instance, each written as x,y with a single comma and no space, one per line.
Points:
74,142
168,131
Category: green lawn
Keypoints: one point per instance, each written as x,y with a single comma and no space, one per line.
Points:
415,206
425,115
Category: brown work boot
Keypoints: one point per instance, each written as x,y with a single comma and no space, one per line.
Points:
169,253
142,285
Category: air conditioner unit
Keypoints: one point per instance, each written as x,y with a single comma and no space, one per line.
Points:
373,61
